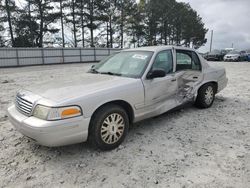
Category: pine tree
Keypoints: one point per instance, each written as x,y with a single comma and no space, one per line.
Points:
26,29
1,37
125,8
171,22
1,26
62,4
43,14
94,16
136,25
8,8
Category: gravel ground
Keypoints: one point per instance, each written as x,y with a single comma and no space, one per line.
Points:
184,148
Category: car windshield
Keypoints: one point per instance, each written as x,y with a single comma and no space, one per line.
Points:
128,64
234,52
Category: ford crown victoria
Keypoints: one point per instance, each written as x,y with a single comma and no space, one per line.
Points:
126,87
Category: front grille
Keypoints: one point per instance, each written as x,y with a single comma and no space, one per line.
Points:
24,106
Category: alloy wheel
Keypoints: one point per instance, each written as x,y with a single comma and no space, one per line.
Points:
112,128
209,95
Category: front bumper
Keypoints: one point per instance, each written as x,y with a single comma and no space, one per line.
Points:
50,133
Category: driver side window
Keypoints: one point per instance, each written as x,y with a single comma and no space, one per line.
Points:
164,61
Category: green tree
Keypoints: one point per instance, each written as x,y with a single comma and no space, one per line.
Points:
26,30
1,37
61,6
72,18
171,22
8,15
136,25
124,10
42,12
94,14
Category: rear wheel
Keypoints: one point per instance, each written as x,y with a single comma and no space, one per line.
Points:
206,95
109,127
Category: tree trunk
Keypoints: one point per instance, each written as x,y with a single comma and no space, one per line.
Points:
74,22
122,24
91,24
107,35
110,31
41,24
9,21
62,26
31,26
82,24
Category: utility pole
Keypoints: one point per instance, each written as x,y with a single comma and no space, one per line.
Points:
211,42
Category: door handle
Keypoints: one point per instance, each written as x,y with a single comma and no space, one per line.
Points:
173,79
195,77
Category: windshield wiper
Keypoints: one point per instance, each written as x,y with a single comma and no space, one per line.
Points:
111,73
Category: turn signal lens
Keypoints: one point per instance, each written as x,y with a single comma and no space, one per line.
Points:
70,112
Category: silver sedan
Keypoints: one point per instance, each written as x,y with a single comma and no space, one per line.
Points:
124,88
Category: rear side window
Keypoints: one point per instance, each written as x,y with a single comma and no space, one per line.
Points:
187,60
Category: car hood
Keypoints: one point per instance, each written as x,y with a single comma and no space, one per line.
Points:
78,86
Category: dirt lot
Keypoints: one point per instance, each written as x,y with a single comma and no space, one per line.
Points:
185,148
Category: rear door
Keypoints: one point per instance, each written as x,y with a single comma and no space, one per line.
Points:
188,74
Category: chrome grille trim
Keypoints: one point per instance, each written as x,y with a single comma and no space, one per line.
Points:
23,102
24,106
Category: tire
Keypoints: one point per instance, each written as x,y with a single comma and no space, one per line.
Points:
108,127
206,95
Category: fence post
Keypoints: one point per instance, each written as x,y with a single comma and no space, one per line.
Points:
63,55
43,56
94,55
80,55
17,57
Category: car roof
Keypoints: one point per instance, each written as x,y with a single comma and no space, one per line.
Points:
158,48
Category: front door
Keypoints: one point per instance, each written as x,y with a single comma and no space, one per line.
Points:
160,92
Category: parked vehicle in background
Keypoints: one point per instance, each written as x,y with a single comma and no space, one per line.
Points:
126,87
227,50
216,55
248,57
243,55
233,56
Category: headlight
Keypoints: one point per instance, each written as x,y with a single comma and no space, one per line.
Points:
53,113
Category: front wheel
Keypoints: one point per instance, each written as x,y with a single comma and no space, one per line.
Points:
109,127
206,95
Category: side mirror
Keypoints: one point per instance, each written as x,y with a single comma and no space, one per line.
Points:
156,73
93,66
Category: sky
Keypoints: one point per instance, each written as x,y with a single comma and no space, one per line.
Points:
229,20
